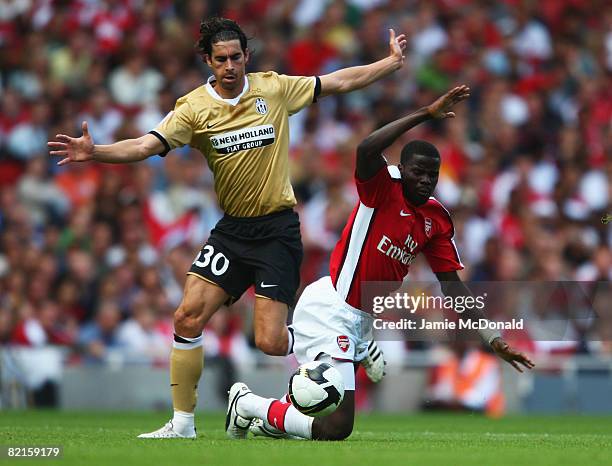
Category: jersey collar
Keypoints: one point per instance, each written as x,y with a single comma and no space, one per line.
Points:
235,100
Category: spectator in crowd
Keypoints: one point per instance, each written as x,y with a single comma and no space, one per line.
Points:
103,119
98,339
140,339
134,83
40,195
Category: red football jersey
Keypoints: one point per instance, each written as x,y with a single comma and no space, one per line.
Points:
385,233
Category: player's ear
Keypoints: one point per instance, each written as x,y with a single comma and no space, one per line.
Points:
247,55
206,59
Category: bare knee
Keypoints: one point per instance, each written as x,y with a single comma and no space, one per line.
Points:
339,424
272,345
324,429
189,320
201,300
338,433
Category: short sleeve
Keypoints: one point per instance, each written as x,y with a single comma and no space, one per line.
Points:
374,191
298,91
176,129
441,252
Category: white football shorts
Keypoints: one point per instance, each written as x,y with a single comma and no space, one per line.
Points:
324,323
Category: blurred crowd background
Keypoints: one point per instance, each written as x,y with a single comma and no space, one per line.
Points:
93,256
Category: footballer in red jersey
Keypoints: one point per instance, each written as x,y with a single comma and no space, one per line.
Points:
396,219
386,232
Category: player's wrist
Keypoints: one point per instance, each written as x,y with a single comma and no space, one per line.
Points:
427,112
390,63
489,335
496,339
431,111
396,61
492,338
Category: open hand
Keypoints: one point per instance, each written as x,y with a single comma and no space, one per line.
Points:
397,45
503,350
73,149
440,109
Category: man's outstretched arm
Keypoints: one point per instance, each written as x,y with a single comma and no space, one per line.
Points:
369,152
83,148
357,77
453,286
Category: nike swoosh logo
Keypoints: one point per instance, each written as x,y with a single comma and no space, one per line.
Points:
263,285
404,214
210,126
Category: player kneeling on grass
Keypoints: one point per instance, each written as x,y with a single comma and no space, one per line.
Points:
395,210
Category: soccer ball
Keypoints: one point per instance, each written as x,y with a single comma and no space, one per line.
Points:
316,389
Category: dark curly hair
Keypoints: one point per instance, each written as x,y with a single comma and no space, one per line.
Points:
215,29
418,147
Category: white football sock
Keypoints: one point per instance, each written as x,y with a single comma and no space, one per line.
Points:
295,423
298,424
183,422
251,405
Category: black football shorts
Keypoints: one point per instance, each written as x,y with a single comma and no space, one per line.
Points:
262,251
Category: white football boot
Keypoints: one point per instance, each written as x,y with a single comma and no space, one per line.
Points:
236,426
260,428
168,432
374,363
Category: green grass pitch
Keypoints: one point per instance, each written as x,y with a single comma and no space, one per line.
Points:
100,438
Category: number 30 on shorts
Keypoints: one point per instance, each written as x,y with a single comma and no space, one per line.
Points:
219,263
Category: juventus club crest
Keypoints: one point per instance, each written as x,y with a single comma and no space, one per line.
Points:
261,106
428,226
343,343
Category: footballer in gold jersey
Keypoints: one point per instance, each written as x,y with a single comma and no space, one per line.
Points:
239,122
245,139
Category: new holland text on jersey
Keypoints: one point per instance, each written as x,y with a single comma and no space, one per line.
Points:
242,139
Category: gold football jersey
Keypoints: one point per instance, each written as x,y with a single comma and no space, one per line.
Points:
245,140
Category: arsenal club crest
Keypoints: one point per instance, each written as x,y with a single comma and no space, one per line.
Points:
261,106
343,342
428,226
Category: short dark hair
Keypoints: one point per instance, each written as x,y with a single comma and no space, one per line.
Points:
418,147
215,29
